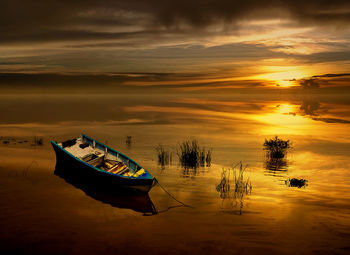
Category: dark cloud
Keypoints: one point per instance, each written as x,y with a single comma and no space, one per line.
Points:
23,20
310,83
95,58
68,35
324,57
317,80
332,120
331,75
84,80
120,83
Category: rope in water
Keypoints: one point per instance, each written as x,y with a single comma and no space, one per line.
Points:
170,195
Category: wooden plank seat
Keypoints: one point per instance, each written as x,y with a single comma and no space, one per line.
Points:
117,168
96,162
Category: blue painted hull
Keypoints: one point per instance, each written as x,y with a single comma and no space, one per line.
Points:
69,163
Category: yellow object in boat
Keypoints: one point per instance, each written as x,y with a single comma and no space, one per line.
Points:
139,172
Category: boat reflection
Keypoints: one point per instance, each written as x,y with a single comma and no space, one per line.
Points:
119,198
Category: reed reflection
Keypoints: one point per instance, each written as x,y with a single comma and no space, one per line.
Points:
119,198
187,172
234,192
276,166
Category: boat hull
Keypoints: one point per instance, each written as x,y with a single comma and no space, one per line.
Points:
67,162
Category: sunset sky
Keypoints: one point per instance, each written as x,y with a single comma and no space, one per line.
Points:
190,45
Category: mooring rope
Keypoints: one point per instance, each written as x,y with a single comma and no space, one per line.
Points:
170,195
25,170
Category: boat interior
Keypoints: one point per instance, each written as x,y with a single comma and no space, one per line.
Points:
101,157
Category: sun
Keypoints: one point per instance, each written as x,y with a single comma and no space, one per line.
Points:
285,83
285,78
282,76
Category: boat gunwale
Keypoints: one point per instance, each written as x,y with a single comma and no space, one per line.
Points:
114,151
104,171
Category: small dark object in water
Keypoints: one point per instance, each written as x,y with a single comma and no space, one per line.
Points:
294,182
5,142
84,145
69,143
128,140
37,141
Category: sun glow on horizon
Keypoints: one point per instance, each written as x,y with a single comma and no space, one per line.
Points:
282,76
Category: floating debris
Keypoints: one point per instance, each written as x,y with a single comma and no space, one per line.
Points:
128,140
294,182
21,140
38,141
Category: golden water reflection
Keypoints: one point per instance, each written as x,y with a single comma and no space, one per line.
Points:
234,126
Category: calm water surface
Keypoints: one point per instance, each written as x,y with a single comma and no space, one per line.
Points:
42,213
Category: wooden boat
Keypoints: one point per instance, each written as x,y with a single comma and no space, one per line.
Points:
87,157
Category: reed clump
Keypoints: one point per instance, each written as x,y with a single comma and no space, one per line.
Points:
38,141
294,182
224,186
164,156
236,187
192,155
276,148
242,185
